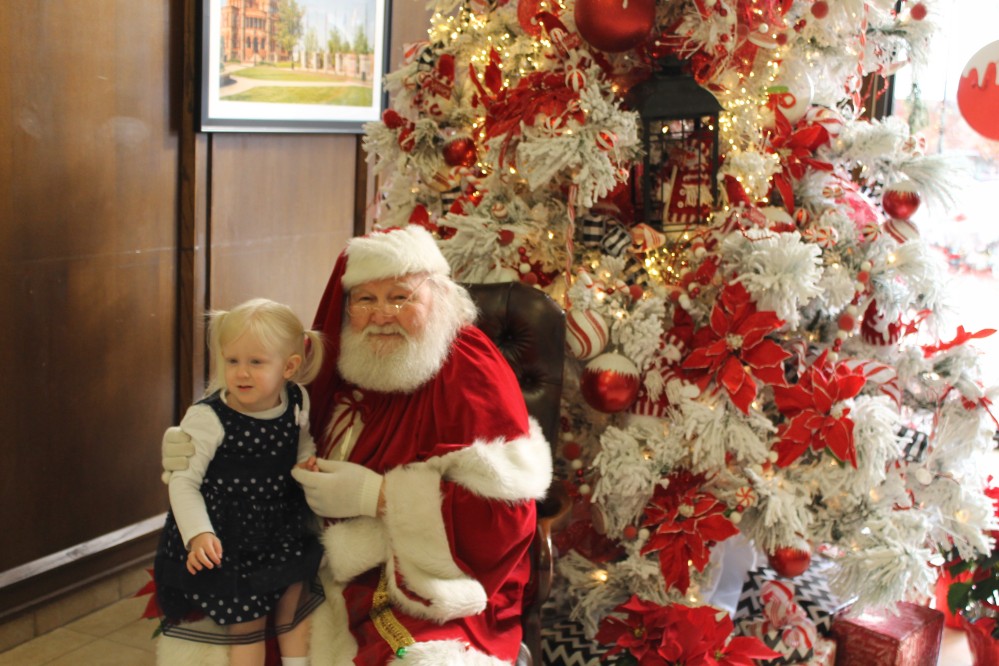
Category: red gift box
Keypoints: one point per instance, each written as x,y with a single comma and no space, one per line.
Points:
984,648
882,638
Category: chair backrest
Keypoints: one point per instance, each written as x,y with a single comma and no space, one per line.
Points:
529,329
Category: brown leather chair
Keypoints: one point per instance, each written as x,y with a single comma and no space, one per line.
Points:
529,329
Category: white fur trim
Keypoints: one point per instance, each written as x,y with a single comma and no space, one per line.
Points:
355,546
172,651
511,470
392,254
449,653
421,549
331,643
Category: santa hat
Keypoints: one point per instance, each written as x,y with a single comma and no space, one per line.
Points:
381,254
392,253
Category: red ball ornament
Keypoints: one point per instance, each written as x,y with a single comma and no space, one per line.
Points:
918,11
572,450
505,237
790,561
846,322
615,25
901,200
460,152
610,383
392,119
630,532
820,9
636,292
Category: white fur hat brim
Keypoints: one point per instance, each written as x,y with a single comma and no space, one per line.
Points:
393,253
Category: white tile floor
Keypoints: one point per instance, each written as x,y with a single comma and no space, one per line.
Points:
113,636
117,636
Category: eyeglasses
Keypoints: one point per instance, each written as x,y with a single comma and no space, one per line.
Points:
369,307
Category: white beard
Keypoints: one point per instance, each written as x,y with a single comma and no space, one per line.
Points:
397,366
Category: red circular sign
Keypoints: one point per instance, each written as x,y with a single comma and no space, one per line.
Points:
978,92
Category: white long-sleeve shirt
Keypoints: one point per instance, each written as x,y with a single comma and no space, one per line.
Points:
205,429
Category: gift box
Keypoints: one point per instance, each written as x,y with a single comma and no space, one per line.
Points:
787,629
984,649
908,637
811,592
564,643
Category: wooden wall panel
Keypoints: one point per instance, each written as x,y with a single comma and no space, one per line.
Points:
119,223
87,268
281,210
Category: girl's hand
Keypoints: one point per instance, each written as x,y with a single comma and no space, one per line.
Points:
206,551
310,464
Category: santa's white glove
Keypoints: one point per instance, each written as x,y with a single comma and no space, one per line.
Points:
340,489
177,450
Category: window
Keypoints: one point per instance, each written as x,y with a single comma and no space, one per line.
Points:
968,232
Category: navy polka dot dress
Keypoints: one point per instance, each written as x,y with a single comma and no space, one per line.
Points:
260,516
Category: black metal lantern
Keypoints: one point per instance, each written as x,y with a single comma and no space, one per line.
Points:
675,186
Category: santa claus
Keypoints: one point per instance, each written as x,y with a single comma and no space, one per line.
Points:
429,467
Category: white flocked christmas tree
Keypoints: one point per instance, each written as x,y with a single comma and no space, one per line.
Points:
765,360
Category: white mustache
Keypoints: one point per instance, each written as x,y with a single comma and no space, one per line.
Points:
385,329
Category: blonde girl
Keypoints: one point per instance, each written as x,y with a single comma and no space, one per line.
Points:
238,555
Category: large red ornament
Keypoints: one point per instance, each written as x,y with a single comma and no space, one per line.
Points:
978,92
615,25
460,152
901,200
610,383
790,561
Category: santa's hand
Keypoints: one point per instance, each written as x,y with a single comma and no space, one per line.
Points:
177,449
340,489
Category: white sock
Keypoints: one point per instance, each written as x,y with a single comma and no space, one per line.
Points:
294,661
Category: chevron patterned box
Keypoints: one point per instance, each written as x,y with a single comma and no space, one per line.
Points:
811,593
564,643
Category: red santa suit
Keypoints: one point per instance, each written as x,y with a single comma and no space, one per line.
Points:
462,465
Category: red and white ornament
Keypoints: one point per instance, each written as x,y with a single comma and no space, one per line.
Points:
610,383
978,91
615,25
646,238
586,333
901,200
790,561
875,328
900,230
792,93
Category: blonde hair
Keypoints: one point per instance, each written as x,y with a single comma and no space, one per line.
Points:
275,326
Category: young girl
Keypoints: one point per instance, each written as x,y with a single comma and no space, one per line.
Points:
238,555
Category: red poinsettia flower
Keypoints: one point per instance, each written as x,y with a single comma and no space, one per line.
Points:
676,634
795,146
685,523
816,417
152,610
734,348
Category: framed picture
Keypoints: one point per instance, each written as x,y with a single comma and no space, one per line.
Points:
292,65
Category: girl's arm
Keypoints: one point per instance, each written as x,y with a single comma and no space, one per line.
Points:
186,501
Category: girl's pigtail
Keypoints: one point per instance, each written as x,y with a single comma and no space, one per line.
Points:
313,358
